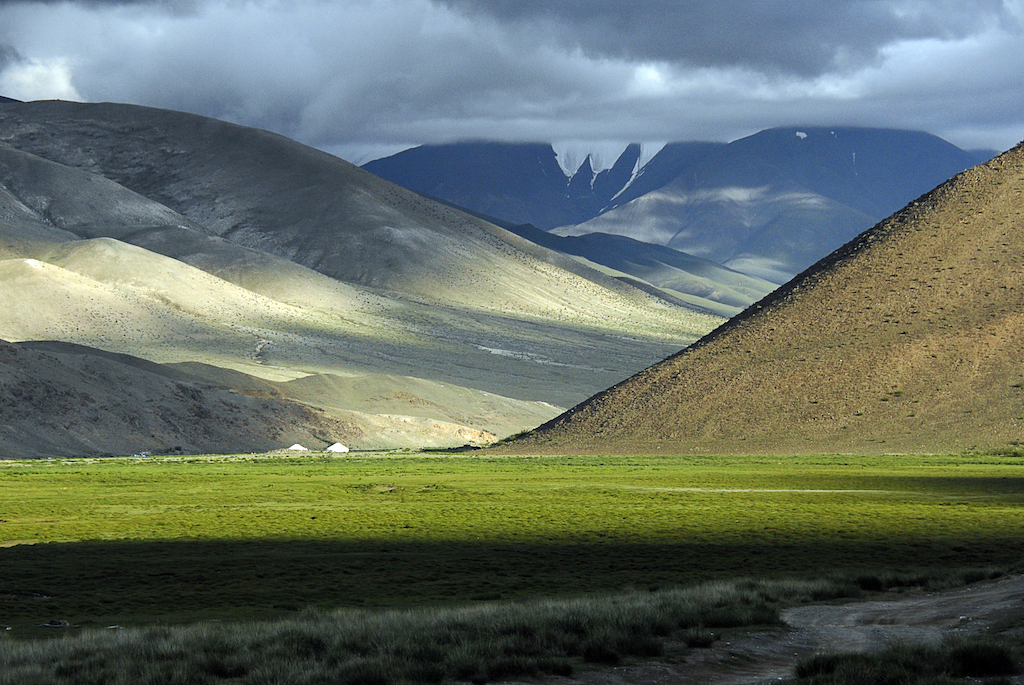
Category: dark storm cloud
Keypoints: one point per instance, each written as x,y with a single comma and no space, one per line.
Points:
806,37
353,76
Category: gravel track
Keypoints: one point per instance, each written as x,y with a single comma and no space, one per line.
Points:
853,627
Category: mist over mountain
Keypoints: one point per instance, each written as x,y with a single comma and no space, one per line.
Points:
910,338
180,239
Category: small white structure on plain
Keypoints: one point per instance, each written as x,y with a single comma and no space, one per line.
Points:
337,447
298,448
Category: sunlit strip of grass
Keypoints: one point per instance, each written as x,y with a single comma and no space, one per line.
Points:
248,536
513,499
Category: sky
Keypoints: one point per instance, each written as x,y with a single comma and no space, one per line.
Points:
365,78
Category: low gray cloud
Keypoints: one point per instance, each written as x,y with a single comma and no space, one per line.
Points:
8,56
361,75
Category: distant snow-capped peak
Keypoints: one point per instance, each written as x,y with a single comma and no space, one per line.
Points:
571,154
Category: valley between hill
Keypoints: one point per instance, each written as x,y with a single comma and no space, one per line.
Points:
205,287
271,269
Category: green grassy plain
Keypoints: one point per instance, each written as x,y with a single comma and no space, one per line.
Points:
134,541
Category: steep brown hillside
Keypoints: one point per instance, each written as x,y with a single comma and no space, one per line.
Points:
909,338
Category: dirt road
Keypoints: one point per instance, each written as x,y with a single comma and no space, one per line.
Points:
859,626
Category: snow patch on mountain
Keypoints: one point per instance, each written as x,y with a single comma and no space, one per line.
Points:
647,153
572,153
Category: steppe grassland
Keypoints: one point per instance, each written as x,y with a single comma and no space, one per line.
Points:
140,539
414,497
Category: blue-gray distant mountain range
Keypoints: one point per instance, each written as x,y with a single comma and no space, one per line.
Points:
768,205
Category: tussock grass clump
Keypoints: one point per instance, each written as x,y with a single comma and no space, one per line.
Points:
950,662
934,579
478,643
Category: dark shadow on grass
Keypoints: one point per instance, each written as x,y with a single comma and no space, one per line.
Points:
94,583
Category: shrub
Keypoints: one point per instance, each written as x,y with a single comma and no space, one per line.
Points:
978,658
870,583
698,637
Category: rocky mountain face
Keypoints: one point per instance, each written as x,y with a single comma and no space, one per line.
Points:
908,339
184,240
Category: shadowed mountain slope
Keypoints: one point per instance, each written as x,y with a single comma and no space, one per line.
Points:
699,282
677,276
909,338
557,338
77,401
266,192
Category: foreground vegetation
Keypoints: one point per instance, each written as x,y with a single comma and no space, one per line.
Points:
955,661
480,643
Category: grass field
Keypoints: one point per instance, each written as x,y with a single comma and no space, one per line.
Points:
135,541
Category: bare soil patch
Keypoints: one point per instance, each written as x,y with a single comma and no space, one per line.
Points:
854,627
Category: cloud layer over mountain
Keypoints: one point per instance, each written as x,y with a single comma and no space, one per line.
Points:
375,75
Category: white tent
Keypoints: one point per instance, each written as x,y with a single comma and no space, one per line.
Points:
298,448
337,447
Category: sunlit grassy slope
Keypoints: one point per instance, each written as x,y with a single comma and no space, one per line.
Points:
114,296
